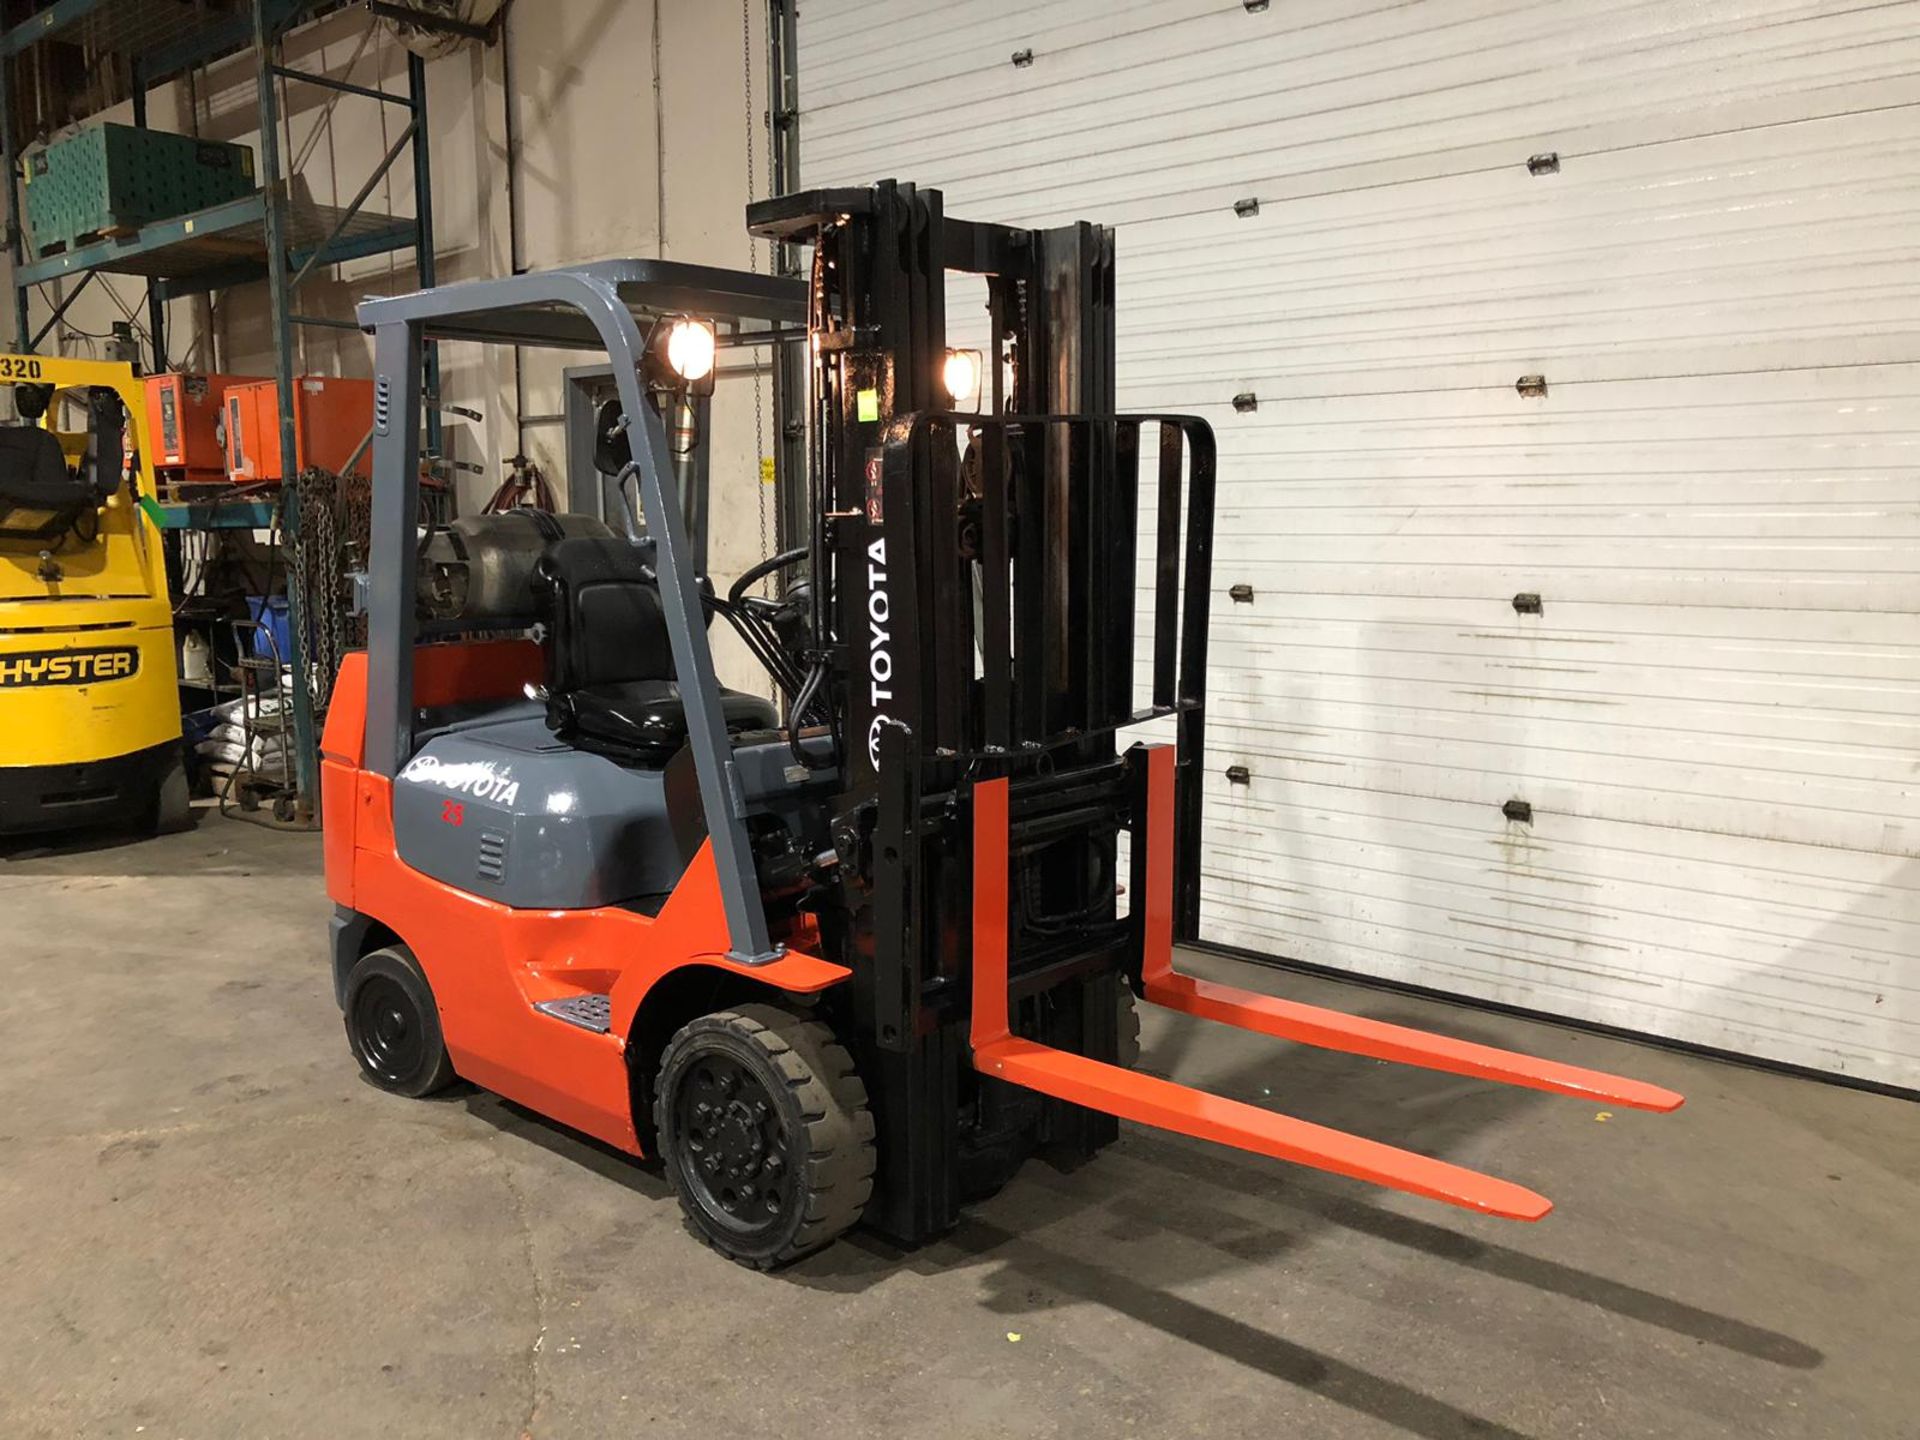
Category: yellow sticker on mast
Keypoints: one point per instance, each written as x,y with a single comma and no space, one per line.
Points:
68,667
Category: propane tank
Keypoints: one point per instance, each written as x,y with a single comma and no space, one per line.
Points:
479,567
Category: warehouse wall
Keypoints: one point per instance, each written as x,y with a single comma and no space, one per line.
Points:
1696,224
631,127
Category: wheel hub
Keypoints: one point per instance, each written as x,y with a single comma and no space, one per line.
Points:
389,1030
735,1142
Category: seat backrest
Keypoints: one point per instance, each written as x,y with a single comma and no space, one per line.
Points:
33,470
603,616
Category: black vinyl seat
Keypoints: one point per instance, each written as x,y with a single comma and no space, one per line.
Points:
610,678
34,479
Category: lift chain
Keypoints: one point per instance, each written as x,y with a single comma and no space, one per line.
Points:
760,484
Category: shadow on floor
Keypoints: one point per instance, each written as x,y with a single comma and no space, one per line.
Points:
1419,1110
1629,1301
1029,1276
1434,1114
62,844
129,853
1182,1318
643,1177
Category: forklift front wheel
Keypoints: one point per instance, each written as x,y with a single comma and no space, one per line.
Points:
171,810
393,1024
765,1133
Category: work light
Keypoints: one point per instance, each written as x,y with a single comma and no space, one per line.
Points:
961,375
690,349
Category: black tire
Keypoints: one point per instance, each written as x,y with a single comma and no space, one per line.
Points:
765,1133
283,809
393,1024
171,810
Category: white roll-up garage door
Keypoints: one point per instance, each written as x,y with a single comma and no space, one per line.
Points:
1695,231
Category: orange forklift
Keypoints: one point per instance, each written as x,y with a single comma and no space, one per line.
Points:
849,958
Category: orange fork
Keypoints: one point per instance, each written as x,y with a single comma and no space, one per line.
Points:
1149,1100
1330,1029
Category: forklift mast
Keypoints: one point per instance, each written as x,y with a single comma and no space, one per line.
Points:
998,592
976,583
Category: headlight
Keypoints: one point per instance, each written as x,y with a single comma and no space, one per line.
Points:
961,375
690,349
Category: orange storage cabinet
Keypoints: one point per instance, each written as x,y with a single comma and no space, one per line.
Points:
183,423
330,418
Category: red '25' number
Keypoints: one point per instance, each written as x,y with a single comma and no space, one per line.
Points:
452,812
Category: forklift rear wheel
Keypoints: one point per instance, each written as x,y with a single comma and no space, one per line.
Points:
764,1132
393,1024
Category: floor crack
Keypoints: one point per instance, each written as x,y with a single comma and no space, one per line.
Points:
534,1383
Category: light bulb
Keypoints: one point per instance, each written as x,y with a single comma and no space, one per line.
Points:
690,349
961,375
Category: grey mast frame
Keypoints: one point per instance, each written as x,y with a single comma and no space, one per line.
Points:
591,307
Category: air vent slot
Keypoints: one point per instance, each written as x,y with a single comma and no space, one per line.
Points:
492,864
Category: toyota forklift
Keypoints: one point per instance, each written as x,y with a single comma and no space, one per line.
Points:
89,703
852,957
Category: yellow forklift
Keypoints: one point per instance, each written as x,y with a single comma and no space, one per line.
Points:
89,700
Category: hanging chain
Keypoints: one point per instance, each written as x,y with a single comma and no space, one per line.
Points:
746,88
332,541
760,480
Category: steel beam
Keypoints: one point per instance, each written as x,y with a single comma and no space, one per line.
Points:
327,82
360,198
50,21
156,302
16,241
102,254
279,298
58,311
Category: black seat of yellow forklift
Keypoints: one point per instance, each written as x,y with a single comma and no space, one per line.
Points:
33,467
610,679
34,478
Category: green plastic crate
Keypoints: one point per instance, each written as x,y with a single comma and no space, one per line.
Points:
119,177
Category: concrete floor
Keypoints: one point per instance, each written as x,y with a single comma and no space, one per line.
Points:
209,1226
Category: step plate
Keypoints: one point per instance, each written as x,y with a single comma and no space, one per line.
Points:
589,1012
